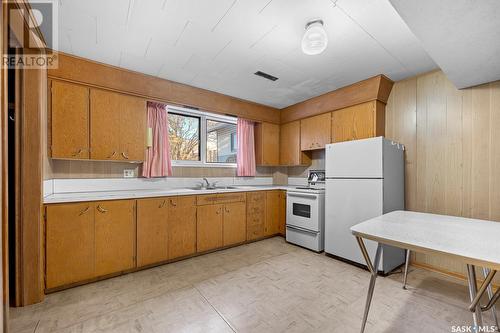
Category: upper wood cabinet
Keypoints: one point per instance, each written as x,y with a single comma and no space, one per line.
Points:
358,122
152,231
69,243
69,113
315,132
117,127
267,144
290,153
114,236
181,226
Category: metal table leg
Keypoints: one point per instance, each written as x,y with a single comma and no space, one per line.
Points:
405,273
489,290
477,314
373,268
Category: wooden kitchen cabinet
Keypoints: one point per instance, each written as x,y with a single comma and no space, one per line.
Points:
267,144
290,153
114,236
117,127
69,243
234,223
358,122
209,227
256,215
282,216
181,226
315,132
69,114
271,225
152,231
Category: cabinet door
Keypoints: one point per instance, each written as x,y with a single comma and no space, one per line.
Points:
105,108
256,215
132,128
181,226
115,236
152,231
69,121
209,227
69,243
267,144
282,218
272,213
290,153
235,223
315,132
353,123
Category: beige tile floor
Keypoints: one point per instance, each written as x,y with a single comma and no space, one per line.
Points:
267,286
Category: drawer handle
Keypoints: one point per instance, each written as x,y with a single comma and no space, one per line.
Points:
218,211
173,203
78,152
162,204
101,210
112,154
125,156
227,210
84,211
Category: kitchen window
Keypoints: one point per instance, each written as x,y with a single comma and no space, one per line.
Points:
200,138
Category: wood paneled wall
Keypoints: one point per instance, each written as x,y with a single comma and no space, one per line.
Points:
452,140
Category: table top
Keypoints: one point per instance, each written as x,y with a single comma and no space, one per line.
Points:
473,241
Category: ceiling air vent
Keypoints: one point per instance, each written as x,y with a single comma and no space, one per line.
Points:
266,76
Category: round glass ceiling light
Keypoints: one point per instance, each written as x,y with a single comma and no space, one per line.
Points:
315,39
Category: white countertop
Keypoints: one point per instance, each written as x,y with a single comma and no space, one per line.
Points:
471,240
144,193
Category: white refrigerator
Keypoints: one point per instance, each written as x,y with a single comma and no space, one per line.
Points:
364,179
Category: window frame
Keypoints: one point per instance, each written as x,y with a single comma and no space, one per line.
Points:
203,116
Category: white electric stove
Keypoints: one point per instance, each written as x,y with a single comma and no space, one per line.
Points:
305,216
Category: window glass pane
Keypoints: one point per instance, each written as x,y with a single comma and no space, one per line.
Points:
221,142
184,135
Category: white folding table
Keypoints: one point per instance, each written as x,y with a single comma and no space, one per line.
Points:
474,242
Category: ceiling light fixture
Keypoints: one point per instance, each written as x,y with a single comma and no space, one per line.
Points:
315,39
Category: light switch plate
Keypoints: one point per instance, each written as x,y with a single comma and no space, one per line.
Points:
128,173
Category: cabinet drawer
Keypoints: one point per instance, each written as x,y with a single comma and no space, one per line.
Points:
183,201
211,199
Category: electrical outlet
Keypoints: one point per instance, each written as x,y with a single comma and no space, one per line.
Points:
128,173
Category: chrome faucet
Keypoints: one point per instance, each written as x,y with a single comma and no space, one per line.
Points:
206,181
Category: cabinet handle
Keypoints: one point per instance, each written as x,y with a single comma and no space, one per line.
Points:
172,202
162,204
78,152
218,211
84,211
125,156
227,210
112,155
102,210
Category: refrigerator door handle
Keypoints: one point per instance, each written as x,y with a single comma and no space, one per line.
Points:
304,230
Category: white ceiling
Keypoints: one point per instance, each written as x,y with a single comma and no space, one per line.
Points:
219,44
462,36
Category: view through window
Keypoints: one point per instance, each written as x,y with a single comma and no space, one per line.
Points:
201,138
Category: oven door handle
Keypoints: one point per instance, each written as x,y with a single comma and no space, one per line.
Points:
303,195
304,230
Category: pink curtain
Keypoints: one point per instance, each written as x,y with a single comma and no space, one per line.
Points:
157,162
246,148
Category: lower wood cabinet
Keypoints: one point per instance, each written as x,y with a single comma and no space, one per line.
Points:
271,225
69,242
209,227
234,230
114,236
282,217
256,215
152,231
181,226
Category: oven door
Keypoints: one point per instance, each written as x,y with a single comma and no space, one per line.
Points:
302,210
